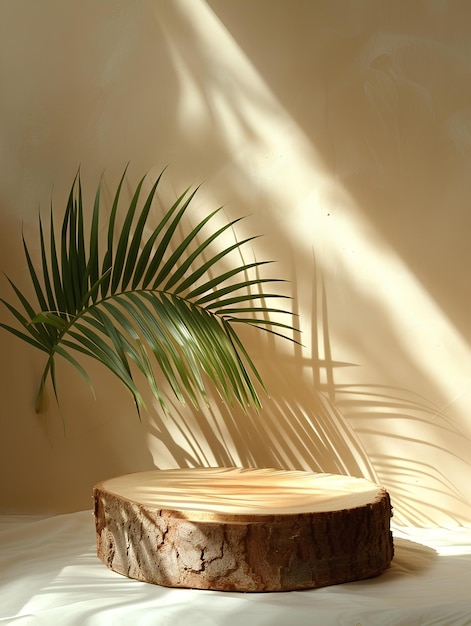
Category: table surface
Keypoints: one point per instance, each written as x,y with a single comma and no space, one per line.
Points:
49,574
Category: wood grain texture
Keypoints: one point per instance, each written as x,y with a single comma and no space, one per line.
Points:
243,550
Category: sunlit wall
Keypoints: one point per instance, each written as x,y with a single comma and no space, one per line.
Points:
342,129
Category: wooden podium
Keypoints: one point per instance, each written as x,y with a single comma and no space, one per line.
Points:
237,529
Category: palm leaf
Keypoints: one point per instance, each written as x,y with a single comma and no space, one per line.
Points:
66,261
122,252
34,278
24,337
41,333
54,261
164,307
178,374
182,271
136,240
216,280
107,265
148,251
91,275
52,305
164,244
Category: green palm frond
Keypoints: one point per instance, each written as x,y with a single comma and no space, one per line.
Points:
146,299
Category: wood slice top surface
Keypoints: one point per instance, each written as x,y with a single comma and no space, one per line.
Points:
213,493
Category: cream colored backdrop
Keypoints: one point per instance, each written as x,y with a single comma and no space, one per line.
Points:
343,130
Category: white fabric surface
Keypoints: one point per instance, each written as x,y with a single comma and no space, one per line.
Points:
50,576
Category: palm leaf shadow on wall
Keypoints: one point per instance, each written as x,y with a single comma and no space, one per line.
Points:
379,412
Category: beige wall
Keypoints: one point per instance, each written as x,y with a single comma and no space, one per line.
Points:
343,129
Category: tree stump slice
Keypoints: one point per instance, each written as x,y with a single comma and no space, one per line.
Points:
236,529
